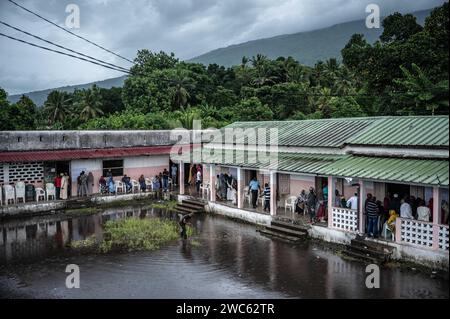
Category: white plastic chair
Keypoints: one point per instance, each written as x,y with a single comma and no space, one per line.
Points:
247,196
50,190
9,194
119,185
20,191
290,203
205,189
39,193
386,230
135,185
148,183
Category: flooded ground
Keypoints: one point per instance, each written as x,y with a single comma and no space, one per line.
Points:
226,259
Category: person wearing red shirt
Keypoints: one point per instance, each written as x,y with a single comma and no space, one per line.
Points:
58,186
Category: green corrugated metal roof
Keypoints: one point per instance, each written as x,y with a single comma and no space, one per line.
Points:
402,170
430,131
314,133
286,162
406,131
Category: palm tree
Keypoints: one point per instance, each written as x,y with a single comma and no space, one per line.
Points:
57,106
181,82
186,118
244,62
422,90
90,104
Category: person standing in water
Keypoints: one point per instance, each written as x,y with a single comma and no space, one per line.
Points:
185,220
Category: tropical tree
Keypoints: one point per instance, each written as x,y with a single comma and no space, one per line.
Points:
421,92
89,104
57,106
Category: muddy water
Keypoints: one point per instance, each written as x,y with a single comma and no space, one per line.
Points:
226,260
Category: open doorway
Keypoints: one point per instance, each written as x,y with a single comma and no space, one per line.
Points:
401,189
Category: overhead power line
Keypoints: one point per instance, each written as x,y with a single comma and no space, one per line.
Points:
63,53
70,32
60,46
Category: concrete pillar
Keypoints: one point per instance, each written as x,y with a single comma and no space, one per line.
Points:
212,182
331,195
436,216
273,193
181,178
240,188
6,173
436,205
362,199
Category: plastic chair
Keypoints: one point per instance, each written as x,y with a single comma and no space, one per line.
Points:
39,193
148,183
247,196
20,191
9,194
119,185
290,203
385,230
50,190
205,189
134,185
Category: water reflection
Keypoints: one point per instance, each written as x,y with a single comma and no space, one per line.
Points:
231,260
25,241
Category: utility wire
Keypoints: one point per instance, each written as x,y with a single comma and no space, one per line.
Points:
63,53
60,46
70,32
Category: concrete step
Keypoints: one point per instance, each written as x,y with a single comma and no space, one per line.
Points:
192,206
381,256
287,231
186,210
287,225
374,246
287,238
359,256
195,203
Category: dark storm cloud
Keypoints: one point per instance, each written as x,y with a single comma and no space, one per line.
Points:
185,27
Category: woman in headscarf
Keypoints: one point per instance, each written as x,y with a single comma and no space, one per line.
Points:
64,186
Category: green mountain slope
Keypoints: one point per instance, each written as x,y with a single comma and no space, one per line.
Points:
306,47
39,97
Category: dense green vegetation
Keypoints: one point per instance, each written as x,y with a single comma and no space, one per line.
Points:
404,72
133,235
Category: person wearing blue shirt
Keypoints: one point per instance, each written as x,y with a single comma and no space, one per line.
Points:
254,187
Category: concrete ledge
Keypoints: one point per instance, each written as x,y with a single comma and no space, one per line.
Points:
28,209
21,210
115,198
251,217
331,235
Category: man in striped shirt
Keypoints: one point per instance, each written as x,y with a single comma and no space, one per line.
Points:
266,194
372,215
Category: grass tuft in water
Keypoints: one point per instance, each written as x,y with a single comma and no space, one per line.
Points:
133,235
138,234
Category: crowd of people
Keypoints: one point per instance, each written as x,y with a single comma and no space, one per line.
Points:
157,184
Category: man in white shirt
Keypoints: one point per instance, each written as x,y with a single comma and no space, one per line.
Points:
406,210
423,212
352,202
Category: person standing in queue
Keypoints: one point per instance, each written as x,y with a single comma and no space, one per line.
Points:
254,188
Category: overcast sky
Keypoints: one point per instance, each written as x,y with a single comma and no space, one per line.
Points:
186,27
